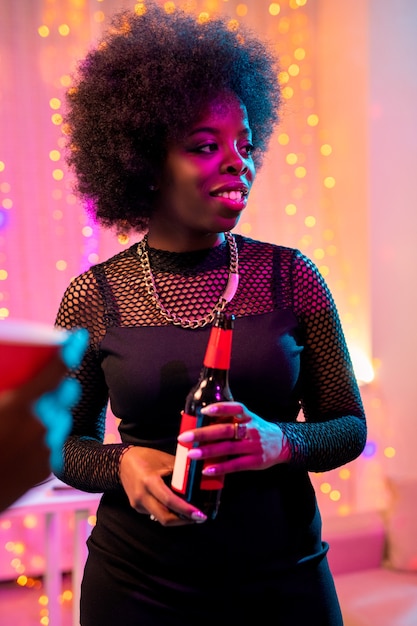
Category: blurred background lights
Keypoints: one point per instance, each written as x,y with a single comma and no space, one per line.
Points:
63,30
389,452
43,31
370,449
362,365
329,182
3,218
274,8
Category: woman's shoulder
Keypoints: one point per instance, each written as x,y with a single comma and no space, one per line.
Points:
285,260
86,282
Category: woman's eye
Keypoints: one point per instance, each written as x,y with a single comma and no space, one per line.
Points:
247,149
207,147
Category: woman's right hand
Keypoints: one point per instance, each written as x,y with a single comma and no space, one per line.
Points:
142,473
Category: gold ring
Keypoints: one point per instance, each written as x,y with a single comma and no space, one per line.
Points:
239,432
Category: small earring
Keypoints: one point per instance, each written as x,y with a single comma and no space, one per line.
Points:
153,187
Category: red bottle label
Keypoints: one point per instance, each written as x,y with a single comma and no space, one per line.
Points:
219,349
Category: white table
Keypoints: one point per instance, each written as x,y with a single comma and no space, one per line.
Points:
51,499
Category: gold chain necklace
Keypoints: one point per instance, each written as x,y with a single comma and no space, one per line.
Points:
227,295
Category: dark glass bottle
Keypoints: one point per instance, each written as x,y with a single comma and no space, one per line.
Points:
213,386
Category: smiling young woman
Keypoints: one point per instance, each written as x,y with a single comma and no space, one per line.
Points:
168,120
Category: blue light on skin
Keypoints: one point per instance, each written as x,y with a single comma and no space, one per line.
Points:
54,408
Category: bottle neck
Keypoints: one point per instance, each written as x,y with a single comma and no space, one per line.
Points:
219,349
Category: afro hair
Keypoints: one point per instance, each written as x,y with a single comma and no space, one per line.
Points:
142,86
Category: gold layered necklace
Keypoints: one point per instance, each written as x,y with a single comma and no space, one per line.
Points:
185,322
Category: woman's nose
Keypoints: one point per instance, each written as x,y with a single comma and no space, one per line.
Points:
234,163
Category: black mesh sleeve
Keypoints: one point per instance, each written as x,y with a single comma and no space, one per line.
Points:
89,464
334,431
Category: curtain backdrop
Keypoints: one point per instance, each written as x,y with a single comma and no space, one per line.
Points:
313,191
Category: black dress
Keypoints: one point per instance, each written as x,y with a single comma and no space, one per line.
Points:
262,560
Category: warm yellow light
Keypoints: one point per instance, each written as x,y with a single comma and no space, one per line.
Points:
43,31
362,365
19,547
318,253
329,182
389,452
335,495
30,521
22,580
4,312
140,8
293,69
274,8
241,10
55,103
54,155
2,166
63,30
61,265
299,54
313,119
169,7
56,119
291,209
300,172
43,600
291,158
287,93
344,473
203,17
326,149
283,77
325,487
283,139
67,595
58,174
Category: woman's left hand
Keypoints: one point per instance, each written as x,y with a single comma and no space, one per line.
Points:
240,440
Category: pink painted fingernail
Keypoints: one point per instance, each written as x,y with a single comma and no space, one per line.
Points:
211,409
209,471
198,517
195,453
186,437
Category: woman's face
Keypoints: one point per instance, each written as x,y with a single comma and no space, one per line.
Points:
207,177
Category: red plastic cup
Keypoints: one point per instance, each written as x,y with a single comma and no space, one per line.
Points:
26,347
